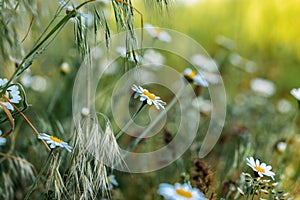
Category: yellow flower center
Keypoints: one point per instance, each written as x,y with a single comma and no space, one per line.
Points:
184,193
259,169
192,74
149,95
158,31
55,139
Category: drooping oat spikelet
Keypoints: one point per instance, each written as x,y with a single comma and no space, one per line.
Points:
7,191
87,177
55,183
110,153
17,175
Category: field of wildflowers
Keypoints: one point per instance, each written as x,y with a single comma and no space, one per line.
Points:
153,99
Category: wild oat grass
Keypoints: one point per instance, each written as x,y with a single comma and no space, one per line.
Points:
43,45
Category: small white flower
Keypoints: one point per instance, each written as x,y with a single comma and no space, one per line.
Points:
39,83
150,98
131,55
236,59
261,168
85,112
197,79
12,93
65,68
154,58
250,66
26,78
212,78
3,81
284,106
158,33
54,141
263,87
296,93
203,105
112,181
281,146
179,192
207,64
2,139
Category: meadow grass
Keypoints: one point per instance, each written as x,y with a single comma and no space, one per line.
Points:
43,45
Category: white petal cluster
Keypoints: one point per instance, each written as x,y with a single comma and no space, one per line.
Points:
54,141
197,78
12,93
180,192
261,168
158,33
150,98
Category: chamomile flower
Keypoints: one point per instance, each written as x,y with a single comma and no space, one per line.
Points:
179,192
158,33
154,58
112,181
197,79
261,168
284,106
149,98
263,87
12,93
203,105
54,141
131,55
296,93
2,140
205,63
65,68
236,59
212,78
280,146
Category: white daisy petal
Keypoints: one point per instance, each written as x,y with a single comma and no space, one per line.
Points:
146,96
257,163
2,140
3,81
54,142
261,168
296,93
195,77
179,192
263,87
149,102
157,33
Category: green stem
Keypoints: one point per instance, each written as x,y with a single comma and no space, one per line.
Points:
38,177
121,132
290,135
156,120
35,51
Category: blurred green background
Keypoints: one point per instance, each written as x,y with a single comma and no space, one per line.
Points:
263,31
